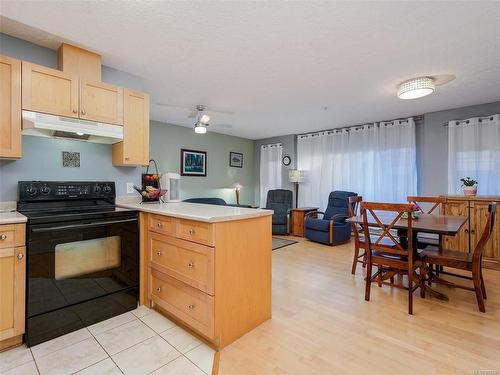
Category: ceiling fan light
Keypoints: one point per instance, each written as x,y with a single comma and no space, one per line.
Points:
416,88
200,129
204,119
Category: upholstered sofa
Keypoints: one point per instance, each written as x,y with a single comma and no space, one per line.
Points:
216,201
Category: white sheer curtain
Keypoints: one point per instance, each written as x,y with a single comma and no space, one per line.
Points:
270,170
474,151
376,161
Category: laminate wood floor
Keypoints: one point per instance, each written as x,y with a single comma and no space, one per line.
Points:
322,325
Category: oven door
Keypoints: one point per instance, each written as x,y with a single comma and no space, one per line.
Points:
80,272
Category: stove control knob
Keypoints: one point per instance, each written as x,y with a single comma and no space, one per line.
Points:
97,189
45,190
107,189
31,190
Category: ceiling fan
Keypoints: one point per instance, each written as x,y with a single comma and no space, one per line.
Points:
199,113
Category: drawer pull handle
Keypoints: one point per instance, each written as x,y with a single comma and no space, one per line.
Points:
20,256
191,264
159,225
3,237
191,307
158,289
83,112
191,231
158,253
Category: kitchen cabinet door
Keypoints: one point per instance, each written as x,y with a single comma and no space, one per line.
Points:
101,102
460,241
49,91
10,108
134,150
479,216
12,292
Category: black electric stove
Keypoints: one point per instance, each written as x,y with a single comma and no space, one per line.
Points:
82,256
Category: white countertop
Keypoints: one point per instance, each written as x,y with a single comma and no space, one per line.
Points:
12,218
194,211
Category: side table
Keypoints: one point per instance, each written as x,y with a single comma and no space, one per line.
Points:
298,215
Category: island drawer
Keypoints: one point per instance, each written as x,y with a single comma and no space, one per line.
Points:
161,224
188,304
186,261
196,231
12,235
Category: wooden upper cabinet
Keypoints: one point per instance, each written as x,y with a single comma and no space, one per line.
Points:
460,241
83,63
49,91
134,149
478,217
101,102
10,108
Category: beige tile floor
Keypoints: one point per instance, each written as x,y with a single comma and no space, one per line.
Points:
139,342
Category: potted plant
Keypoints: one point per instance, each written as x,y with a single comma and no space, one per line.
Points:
469,185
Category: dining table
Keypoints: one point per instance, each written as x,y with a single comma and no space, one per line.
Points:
442,225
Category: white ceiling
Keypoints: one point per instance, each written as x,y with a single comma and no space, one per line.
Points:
276,65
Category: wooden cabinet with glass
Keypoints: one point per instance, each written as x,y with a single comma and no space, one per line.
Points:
476,210
10,108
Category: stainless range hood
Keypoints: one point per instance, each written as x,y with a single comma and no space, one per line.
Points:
43,125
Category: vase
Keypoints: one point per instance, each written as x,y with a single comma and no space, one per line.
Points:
470,190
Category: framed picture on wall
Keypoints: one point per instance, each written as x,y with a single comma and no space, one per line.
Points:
193,163
236,159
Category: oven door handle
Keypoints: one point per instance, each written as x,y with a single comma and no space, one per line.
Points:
78,226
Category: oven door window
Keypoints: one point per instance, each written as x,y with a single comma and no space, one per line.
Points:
85,257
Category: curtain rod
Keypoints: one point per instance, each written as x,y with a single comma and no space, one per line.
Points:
415,118
481,118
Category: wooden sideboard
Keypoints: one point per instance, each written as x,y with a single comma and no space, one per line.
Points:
214,278
476,210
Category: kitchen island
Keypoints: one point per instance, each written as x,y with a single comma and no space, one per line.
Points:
206,266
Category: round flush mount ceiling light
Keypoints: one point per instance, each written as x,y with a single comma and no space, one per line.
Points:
416,88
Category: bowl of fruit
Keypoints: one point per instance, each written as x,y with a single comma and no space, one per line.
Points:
150,193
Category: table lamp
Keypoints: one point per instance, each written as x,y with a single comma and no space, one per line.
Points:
296,176
237,187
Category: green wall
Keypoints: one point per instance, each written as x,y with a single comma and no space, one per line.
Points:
166,142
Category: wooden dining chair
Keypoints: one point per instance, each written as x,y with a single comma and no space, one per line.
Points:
471,262
438,202
437,207
357,230
385,251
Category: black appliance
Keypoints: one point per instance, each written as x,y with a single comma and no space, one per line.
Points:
82,256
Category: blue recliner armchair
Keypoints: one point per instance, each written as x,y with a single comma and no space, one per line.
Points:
281,201
332,229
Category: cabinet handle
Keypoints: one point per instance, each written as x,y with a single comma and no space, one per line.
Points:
3,237
83,112
158,289
159,225
158,253
20,256
74,110
473,231
466,231
191,307
191,231
127,158
191,264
